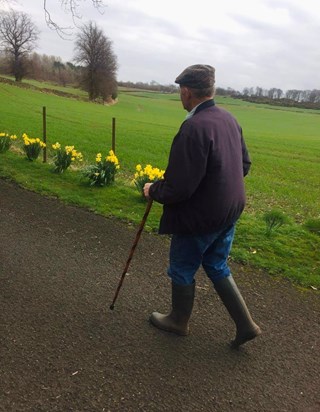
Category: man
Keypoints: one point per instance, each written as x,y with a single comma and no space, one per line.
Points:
203,196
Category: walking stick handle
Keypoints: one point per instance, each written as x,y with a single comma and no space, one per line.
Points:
141,226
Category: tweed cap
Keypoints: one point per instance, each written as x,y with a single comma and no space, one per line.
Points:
198,76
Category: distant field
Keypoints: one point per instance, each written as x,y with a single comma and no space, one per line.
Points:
284,145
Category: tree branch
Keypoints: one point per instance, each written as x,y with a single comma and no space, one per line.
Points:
71,7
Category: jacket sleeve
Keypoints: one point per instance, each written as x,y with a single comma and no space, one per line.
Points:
186,168
246,162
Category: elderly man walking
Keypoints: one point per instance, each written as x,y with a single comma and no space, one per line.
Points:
203,196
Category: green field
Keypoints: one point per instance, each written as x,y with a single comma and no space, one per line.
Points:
284,145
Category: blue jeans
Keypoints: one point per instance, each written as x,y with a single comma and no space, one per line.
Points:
189,252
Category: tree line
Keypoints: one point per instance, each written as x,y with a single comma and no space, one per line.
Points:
45,68
96,62
298,98
152,86
312,96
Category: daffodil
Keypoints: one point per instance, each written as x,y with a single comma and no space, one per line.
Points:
103,172
145,175
56,146
6,141
65,156
32,146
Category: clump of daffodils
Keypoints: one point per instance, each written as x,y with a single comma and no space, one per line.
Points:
148,174
6,141
103,172
64,156
32,146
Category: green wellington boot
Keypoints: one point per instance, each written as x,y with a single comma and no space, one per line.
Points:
237,308
177,321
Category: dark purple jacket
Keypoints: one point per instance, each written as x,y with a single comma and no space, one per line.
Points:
203,188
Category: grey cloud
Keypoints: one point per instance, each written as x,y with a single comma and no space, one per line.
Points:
266,54
129,19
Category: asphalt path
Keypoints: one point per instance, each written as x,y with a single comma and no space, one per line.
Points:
62,348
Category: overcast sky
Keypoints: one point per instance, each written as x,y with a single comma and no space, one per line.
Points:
266,43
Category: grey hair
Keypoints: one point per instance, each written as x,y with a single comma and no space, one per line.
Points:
207,92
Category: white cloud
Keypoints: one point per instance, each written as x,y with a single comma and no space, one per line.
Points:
267,43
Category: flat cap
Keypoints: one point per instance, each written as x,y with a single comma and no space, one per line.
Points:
198,76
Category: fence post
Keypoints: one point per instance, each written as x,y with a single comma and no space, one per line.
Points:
114,135
44,123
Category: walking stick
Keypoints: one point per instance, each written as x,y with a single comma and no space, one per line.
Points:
143,221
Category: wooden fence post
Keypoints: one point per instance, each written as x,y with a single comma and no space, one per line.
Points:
114,135
44,123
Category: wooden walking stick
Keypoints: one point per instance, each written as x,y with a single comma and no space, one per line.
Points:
143,221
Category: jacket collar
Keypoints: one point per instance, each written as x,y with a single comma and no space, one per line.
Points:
204,105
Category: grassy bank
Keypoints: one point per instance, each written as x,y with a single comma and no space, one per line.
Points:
284,145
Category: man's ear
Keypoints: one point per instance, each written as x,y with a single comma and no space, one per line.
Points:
185,91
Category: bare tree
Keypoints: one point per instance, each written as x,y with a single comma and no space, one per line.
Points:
18,37
94,51
259,91
294,94
71,7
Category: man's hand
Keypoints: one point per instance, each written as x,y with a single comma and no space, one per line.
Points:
146,188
